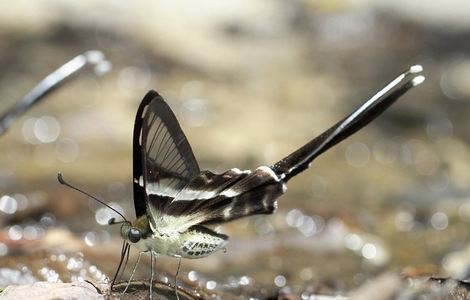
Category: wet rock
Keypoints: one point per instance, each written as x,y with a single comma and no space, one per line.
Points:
48,290
160,290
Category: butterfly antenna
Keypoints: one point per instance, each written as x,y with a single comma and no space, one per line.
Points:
300,159
62,181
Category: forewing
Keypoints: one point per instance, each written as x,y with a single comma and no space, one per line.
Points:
163,160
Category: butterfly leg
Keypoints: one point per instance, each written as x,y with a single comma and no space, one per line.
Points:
133,272
176,278
125,262
123,253
151,274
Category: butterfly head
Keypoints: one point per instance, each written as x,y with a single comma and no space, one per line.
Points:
133,232
130,233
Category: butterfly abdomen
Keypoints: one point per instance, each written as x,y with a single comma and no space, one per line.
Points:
200,241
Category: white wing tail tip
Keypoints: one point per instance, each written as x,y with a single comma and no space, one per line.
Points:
415,69
94,56
99,61
417,80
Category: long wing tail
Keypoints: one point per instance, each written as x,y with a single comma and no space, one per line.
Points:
300,159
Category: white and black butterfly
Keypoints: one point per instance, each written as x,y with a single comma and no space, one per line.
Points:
175,201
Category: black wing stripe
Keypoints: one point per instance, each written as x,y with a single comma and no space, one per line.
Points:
139,192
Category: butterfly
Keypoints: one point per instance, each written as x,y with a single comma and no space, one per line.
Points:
175,201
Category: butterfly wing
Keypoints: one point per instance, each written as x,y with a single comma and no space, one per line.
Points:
215,198
163,160
301,159
169,187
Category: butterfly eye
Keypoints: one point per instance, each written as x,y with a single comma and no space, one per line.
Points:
134,235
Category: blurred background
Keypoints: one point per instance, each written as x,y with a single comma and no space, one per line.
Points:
249,82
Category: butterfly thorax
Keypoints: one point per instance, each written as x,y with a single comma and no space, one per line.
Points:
142,224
